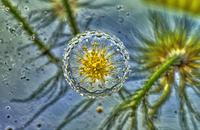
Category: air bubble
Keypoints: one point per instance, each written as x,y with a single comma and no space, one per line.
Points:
12,30
8,116
120,7
127,13
6,9
9,128
8,108
39,125
26,8
33,37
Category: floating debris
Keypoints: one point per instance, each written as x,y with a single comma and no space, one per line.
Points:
99,109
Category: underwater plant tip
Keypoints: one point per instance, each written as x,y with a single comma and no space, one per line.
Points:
138,96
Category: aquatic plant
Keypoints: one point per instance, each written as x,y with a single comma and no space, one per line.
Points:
170,57
56,80
37,20
191,7
63,12
170,50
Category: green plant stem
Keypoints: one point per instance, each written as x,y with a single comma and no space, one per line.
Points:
70,17
166,92
147,120
30,31
136,98
140,94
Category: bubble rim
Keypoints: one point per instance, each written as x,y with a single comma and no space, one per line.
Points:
76,40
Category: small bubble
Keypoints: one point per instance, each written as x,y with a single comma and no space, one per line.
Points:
33,37
26,8
23,77
8,116
120,7
11,39
12,30
9,128
8,108
127,13
87,40
5,8
11,93
39,125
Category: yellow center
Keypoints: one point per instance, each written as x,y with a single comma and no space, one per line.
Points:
175,43
95,64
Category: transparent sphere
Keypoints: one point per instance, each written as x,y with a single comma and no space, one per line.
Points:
95,64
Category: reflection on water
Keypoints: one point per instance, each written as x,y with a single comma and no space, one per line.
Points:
33,90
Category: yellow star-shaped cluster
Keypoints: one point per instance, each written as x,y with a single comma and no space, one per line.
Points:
95,63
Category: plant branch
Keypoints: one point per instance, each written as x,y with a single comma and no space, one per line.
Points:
138,96
30,31
164,96
70,17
